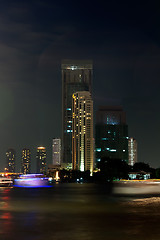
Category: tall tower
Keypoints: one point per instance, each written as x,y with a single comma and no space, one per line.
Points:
82,135
56,147
132,151
10,157
76,76
41,160
111,133
26,161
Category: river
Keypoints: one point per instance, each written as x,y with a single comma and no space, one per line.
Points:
77,212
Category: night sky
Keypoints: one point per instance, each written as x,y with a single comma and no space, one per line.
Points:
122,39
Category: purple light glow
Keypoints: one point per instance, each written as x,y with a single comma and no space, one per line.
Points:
31,180
32,175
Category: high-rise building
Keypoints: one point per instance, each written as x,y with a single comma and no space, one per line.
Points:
132,151
82,135
26,161
41,160
111,133
10,158
56,148
76,76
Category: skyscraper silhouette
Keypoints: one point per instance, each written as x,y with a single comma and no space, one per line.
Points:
82,136
10,157
132,151
111,133
26,161
56,151
41,160
76,76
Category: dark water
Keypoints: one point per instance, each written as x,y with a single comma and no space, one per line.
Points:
76,212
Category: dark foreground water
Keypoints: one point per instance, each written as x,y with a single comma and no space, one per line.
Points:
77,212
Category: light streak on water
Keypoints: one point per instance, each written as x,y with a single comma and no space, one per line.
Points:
136,187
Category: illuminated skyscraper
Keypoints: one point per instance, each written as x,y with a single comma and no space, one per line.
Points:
76,76
10,157
82,135
56,147
41,160
132,151
26,161
111,133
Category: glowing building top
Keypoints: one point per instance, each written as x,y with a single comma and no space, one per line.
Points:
70,64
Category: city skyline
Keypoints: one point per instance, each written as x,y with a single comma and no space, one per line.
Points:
121,39
79,79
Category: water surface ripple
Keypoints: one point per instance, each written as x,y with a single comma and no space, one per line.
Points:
76,212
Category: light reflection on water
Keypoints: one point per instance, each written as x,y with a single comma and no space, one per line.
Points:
74,212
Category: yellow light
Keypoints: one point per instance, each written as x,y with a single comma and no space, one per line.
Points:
57,176
41,148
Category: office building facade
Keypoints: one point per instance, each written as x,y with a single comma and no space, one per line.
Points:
111,133
56,151
10,160
76,76
41,160
82,135
26,161
132,151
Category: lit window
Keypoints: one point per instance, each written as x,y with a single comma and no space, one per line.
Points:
98,150
69,131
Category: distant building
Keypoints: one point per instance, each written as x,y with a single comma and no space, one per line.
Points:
76,76
41,160
111,133
66,166
132,151
82,136
56,151
53,171
10,159
141,175
26,161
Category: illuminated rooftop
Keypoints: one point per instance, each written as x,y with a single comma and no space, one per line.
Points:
76,64
41,148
